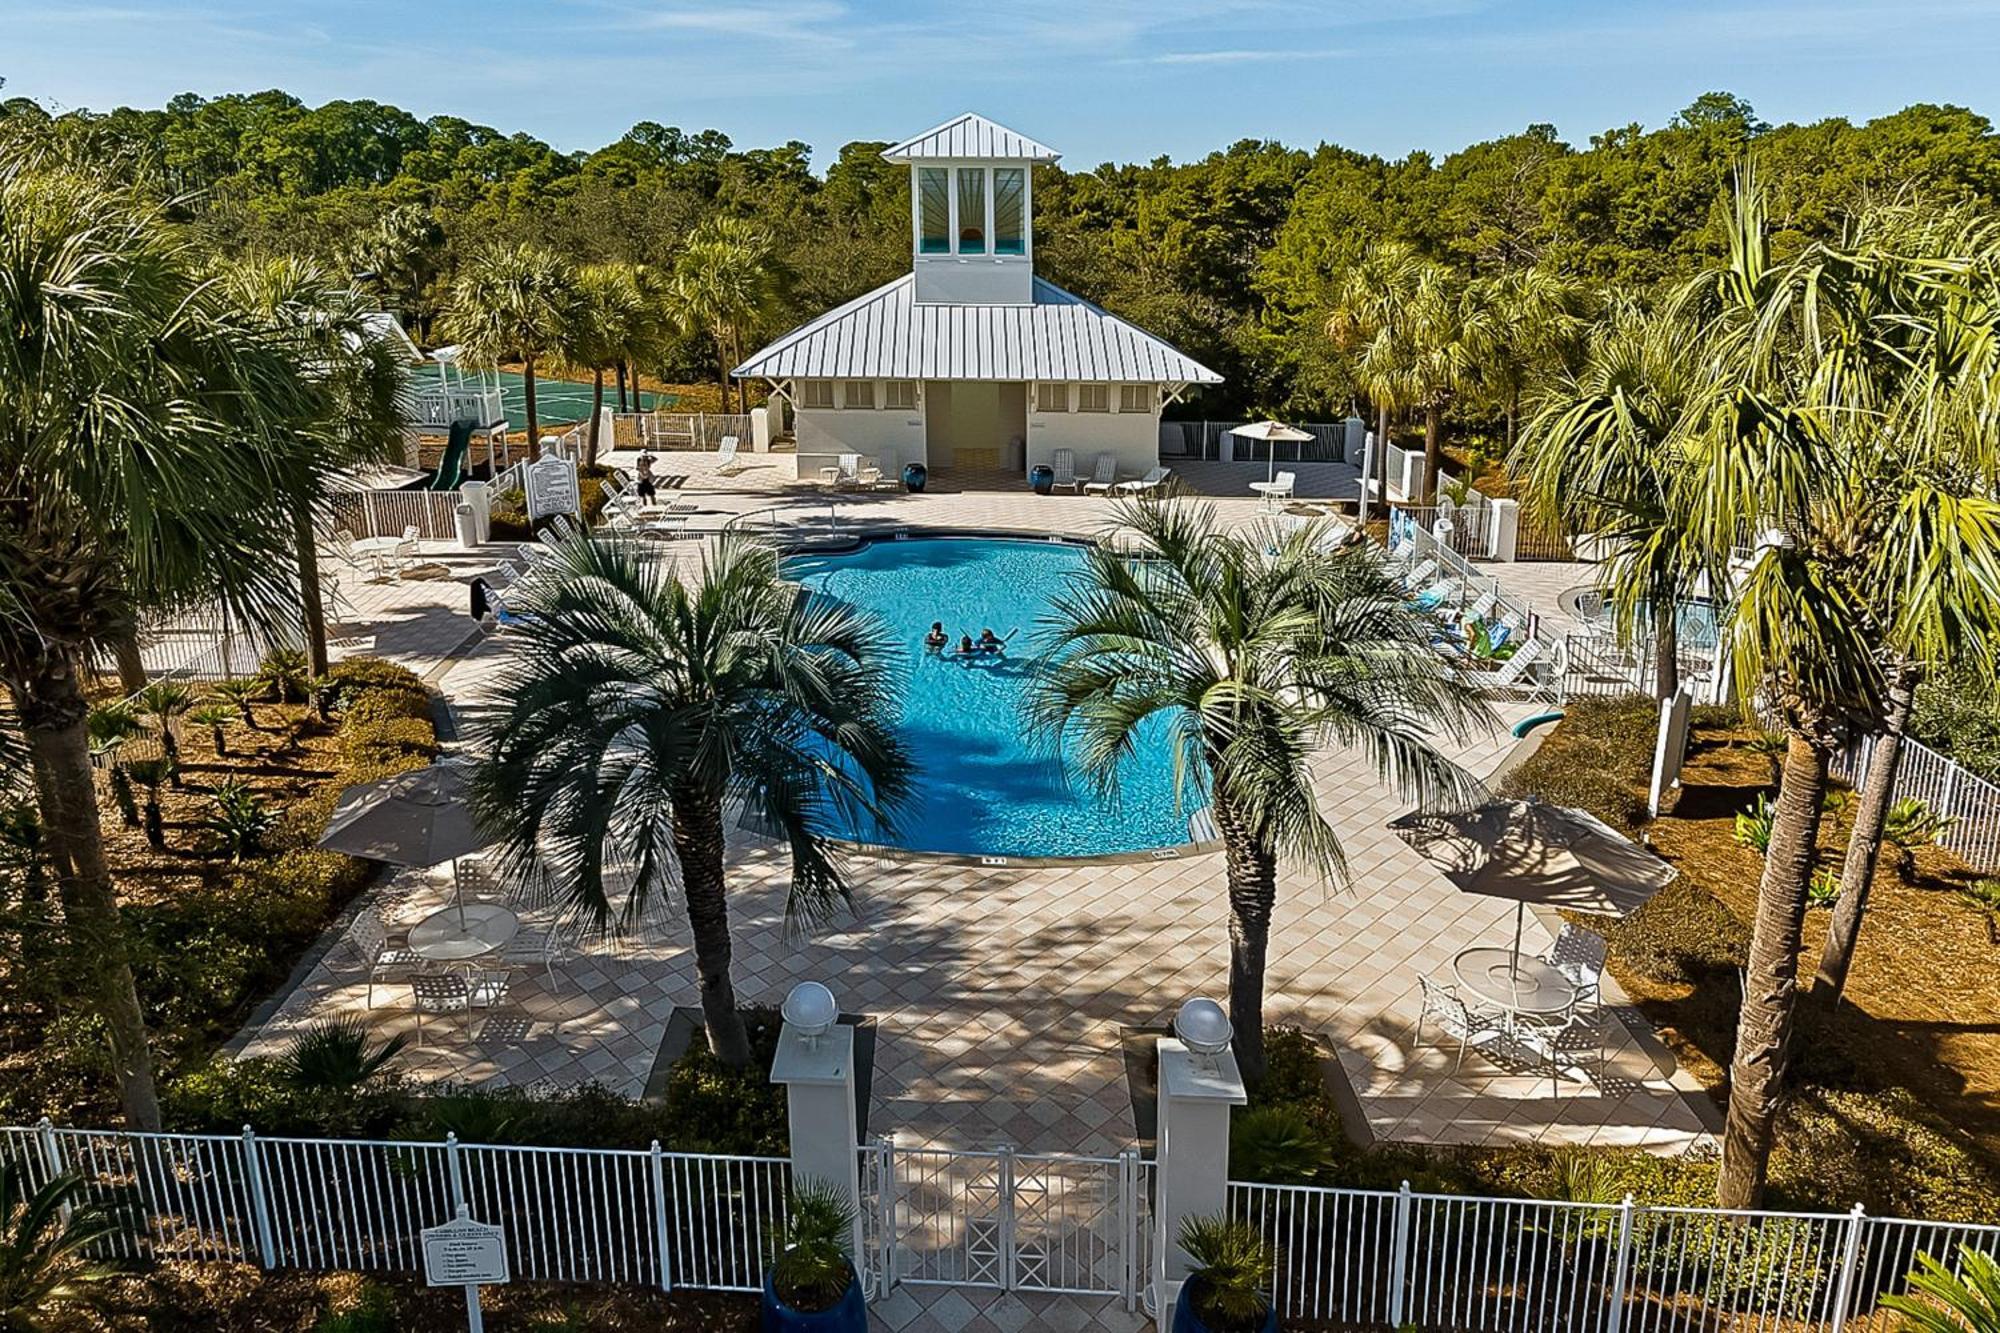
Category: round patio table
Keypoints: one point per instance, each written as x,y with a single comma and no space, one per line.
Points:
1516,983
444,937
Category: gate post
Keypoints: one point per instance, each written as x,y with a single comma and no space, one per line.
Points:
1399,1257
815,1062
1009,1268
260,1206
1621,1269
663,1236
1199,1084
1849,1258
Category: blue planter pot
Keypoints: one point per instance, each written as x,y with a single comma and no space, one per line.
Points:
848,1315
1043,478
915,476
1187,1321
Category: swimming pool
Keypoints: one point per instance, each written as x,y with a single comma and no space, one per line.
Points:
986,783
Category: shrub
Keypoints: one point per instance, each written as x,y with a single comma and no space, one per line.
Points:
339,1053
384,705
1823,889
239,821
1753,826
374,1312
815,1243
1277,1145
1682,934
1909,824
389,738
1598,758
284,675
356,674
730,1110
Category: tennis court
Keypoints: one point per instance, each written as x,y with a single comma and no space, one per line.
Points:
556,400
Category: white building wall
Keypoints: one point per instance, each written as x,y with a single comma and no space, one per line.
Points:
1133,436
892,437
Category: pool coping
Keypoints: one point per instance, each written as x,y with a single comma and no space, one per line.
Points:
892,531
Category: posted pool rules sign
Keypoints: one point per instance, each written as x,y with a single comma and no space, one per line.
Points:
465,1253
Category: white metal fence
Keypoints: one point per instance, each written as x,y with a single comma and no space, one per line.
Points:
995,1219
391,513
1947,787
1203,439
1431,1261
662,431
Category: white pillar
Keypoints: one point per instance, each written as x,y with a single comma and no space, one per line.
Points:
607,431
479,495
760,430
1195,1097
818,1074
1504,534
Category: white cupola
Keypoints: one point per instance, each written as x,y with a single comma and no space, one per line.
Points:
971,241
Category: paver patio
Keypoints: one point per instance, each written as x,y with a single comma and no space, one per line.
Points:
1001,994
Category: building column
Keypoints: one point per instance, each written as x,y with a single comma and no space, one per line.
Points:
1199,1085
815,1062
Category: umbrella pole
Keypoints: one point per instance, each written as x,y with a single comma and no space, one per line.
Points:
458,900
1520,917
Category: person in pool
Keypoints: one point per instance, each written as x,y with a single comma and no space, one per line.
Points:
989,642
966,647
937,638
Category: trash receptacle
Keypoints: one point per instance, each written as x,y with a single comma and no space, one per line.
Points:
467,525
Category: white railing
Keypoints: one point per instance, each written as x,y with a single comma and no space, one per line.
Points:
1471,523
1414,547
1476,1265
1947,787
442,405
388,513
660,431
570,1214
998,1218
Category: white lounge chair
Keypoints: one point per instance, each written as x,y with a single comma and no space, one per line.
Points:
1103,477
1063,464
1155,478
406,548
1515,667
727,464
1280,488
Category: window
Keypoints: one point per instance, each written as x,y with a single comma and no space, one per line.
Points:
1093,397
815,393
1135,398
858,393
1052,397
972,210
1010,194
900,394
934,210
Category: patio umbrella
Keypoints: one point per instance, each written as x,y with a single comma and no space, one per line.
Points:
1270,432
419,818
1549,855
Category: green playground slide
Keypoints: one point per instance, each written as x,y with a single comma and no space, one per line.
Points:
451,468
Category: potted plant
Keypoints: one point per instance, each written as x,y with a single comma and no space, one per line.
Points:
811,1286
1228,1290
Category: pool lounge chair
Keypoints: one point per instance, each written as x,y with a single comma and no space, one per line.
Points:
1063,464
1155,478
727,464
1104,477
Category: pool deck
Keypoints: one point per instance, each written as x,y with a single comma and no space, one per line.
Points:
1002,996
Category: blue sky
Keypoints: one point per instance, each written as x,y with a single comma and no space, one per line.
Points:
1099,79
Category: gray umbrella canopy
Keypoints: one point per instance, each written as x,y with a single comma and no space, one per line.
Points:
419,818
1548,855
1270,432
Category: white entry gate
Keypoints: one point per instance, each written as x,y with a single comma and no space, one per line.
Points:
1009,1221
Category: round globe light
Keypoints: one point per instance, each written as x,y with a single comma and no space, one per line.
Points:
1203,1028
811,1009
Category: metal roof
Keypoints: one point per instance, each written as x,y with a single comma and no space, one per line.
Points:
969,136
887,335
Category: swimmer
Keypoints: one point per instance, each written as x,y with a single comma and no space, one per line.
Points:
966,648
937,638
989,642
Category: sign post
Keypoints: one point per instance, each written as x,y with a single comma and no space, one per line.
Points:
465,1253
552,488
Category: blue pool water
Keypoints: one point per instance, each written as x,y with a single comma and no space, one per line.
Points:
987,783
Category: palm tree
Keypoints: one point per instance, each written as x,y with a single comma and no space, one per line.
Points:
144,438
1793,447
1589,463
1539,323
1943,1301
615,324
352,418
1366,325
724,285
640,707
1258,648
514,302
51,1237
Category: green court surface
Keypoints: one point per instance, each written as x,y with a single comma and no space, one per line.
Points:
556,401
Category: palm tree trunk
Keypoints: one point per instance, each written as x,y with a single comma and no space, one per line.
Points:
1770,993
1666,648
596,412
722,370
1253,891
1382,455
528,397
621,388
1433,453
698,843
1864,842
309,590
131,662
52,710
